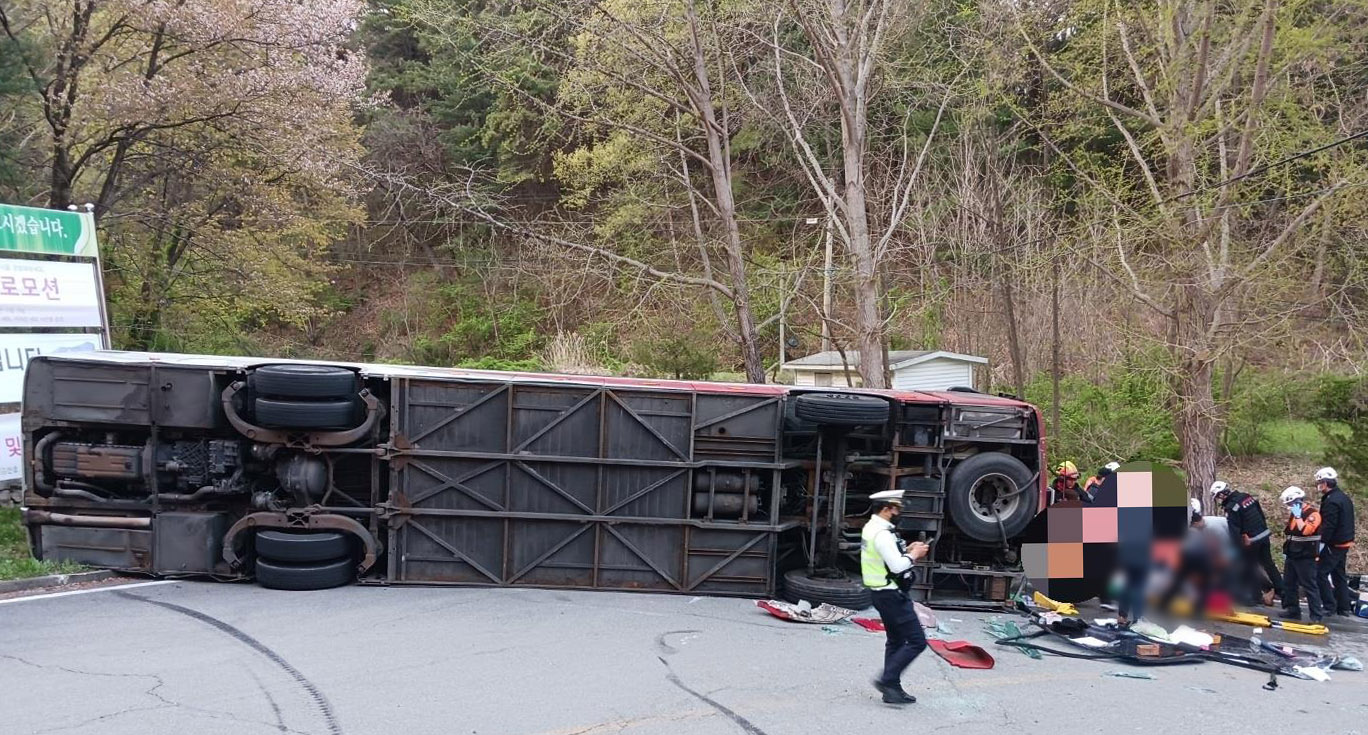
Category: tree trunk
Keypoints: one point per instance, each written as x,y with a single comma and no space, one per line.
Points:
868,319
868,316
60,185
1197,418
1197,424
720,167
1013,336
146,319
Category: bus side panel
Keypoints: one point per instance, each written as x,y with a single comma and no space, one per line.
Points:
120,395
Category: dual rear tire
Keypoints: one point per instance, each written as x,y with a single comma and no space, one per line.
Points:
304,561
300,396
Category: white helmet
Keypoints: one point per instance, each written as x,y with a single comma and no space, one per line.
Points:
1113,466
1326,473
1219,488
1196,506
1292,495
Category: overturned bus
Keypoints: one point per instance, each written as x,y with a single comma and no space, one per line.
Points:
312,475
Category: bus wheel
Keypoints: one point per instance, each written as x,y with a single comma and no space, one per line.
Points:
841,409
277,413
988,488
847,592
303,381
305,576
302,548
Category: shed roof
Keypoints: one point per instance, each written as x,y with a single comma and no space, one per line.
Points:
897,359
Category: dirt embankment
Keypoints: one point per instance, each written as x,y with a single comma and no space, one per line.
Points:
1266,478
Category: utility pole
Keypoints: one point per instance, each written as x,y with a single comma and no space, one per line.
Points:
1054,367
826,288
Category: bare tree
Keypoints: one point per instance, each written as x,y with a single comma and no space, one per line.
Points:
845,42
1193,89
671,62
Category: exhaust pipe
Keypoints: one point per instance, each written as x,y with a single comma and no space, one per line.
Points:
66,519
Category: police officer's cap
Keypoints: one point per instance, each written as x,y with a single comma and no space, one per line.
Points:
893,497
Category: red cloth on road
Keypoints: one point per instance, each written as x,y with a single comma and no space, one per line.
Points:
963,654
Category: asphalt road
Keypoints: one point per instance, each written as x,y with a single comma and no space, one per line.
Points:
211,658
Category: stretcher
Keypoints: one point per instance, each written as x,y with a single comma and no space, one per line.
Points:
1263,621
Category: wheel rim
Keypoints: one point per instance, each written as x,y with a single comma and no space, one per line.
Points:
989,501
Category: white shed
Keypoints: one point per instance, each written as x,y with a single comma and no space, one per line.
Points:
912,369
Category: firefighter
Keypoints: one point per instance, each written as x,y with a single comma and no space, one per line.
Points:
1093,483
1299,570
1337,537
1065,485
882,564
1252,540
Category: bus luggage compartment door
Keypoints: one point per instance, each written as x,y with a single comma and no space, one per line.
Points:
514,484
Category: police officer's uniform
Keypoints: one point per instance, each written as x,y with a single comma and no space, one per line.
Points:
880,558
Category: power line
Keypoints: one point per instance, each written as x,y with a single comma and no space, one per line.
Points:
1275,164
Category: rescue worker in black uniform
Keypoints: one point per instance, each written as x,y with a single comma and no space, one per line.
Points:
1337,537
1299,569
1252,539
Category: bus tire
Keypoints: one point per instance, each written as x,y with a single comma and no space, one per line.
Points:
304,381
985,483
841,409
283,414
312,576
301,548
849,592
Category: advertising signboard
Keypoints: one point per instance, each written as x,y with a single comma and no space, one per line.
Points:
52,231
17,349
11,448
45,293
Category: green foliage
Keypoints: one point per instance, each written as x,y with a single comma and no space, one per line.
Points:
1342,405
13,83
469,326
428,57
530,365
678,354
1124,418
15,560
1267,414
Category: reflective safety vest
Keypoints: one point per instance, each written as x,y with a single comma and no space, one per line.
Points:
872,567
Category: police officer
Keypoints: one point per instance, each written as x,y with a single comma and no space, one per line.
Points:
1251,537
1337,537
1303,537
883,562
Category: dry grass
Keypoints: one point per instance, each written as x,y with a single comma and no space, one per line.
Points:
568,353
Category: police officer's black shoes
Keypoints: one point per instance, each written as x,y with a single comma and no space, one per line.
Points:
899,697
894,694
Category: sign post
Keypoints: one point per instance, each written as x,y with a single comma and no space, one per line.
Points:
51,300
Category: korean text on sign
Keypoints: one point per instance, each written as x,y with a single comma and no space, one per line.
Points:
15,286
30,225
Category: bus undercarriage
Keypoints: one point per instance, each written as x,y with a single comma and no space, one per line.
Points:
307,475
